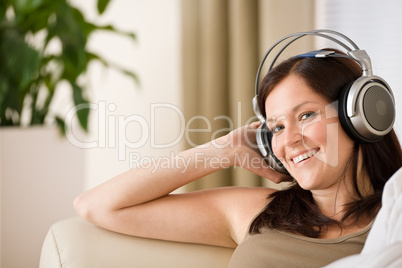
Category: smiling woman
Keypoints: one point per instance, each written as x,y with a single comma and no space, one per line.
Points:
344,180
323,216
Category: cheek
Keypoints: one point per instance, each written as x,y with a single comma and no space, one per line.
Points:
323,130
278,148
318,132
275,147
346,143
334,142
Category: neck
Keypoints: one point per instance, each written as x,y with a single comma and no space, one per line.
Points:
333,201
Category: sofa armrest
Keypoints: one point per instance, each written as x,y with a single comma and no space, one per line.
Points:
76,243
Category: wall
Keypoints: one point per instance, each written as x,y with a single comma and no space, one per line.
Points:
132,123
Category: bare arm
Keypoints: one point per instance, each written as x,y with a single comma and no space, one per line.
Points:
138,201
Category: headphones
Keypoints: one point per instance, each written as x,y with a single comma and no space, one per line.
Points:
366,107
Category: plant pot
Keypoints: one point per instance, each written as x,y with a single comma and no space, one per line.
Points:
40,174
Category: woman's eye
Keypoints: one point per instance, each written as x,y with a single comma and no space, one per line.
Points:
276,129
307,115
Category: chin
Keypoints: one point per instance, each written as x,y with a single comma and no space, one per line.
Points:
306,187
306,181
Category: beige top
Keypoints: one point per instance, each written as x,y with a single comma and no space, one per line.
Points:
273,248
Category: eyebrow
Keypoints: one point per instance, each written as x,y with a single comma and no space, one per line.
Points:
294,109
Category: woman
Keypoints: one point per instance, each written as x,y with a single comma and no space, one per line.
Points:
325,215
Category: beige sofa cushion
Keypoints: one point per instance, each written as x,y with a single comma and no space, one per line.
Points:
76,243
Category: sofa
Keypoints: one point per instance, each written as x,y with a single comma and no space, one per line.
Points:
75,243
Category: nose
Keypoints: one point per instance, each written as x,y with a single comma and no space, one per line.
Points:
290,137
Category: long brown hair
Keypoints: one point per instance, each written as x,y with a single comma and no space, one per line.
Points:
294,209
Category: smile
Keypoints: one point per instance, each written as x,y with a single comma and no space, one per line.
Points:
304,156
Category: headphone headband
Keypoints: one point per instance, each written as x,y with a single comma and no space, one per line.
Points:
358,55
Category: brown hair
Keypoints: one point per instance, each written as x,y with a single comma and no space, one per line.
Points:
294,209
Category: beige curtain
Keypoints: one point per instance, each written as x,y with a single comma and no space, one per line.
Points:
223,42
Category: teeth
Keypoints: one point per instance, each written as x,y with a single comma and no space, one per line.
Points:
302,157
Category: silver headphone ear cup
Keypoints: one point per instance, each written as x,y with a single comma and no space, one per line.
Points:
273,164
263,138
260,141
367,109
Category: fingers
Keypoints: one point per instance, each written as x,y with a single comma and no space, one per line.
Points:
255,124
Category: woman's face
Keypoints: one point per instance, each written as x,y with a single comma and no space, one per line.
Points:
307,136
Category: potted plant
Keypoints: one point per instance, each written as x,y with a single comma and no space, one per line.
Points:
43,43
30,73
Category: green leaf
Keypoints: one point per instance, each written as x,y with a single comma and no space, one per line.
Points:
34,19
21,61
131,74
92,56
62,126
111,28
3,8
27,5
81,105
126,72
19,68
40,107
102,4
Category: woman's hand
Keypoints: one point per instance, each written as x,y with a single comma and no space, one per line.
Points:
247,154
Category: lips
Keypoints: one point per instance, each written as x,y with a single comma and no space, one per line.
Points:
304,156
